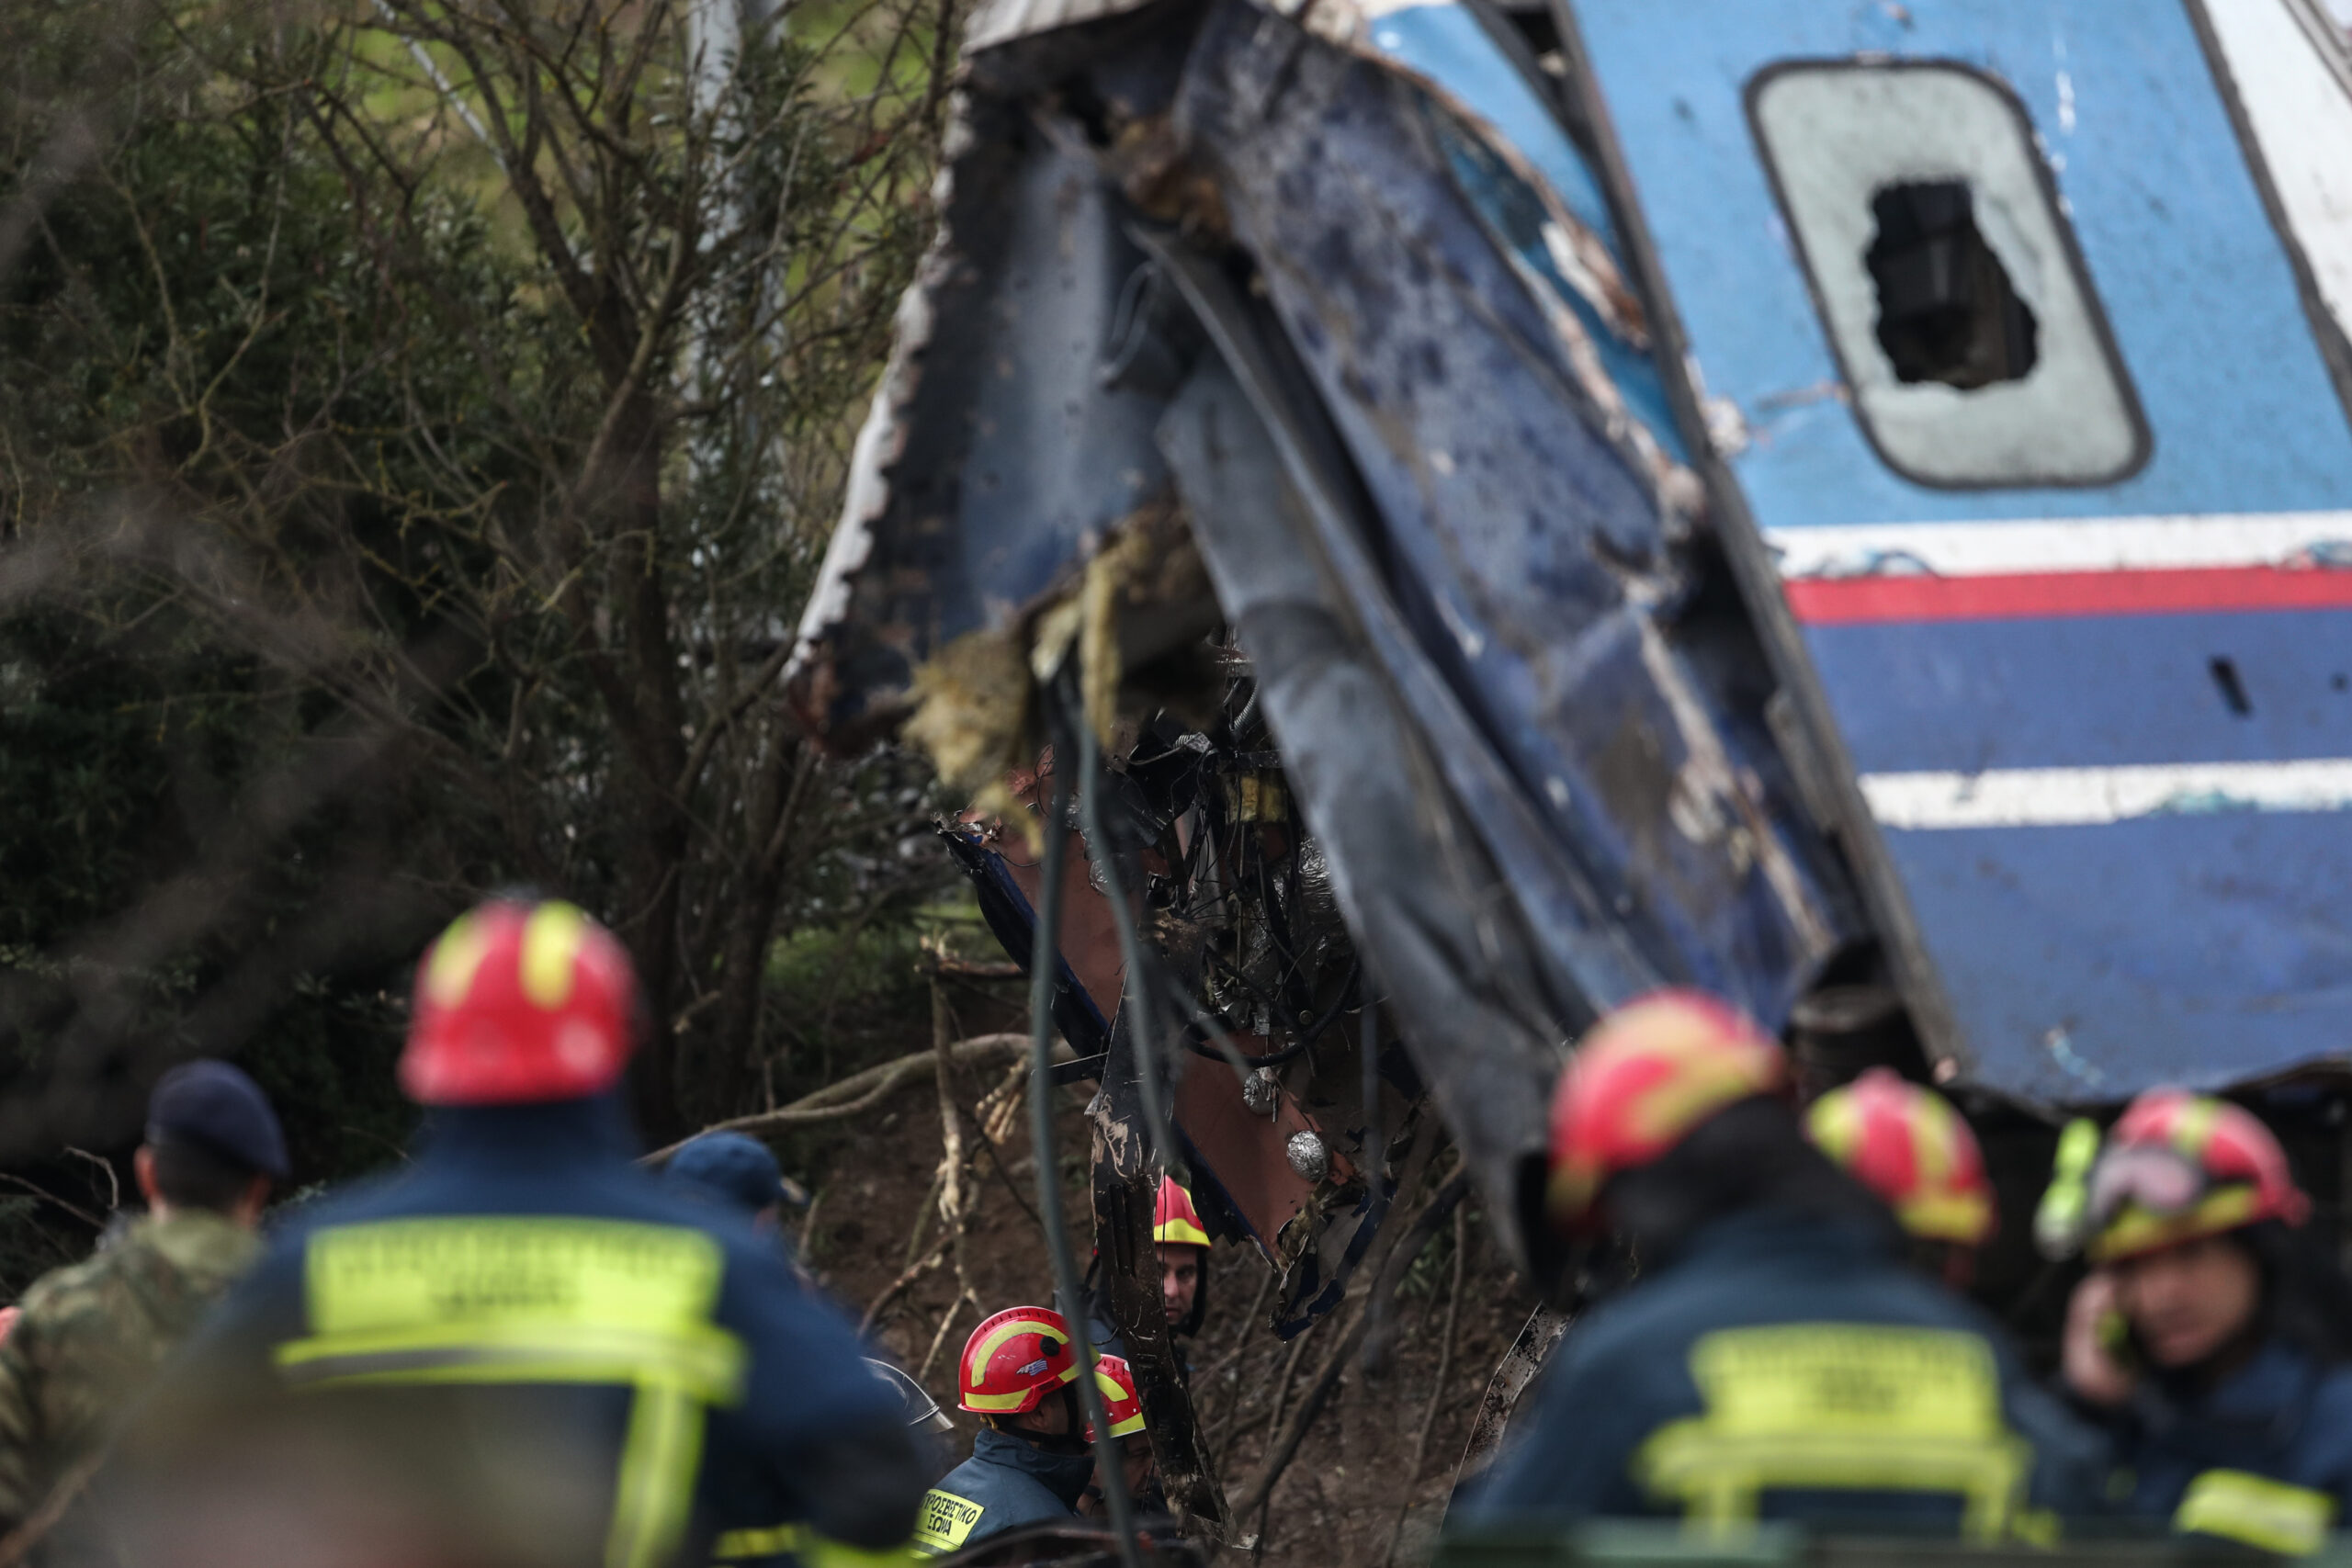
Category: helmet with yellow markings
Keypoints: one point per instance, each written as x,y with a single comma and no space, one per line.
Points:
1174,1220
1120,1403
1014,1360
1907,1144
516,1003
2178,1166
1642,1080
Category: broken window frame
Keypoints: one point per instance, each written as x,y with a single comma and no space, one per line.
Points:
2070,257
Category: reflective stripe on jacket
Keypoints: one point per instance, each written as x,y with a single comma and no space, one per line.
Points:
1790,1366
1006,1483
537,1337
2264,1458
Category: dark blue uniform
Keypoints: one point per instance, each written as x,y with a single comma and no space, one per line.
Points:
522,1320
2263,1457
1788,1366
1006,1483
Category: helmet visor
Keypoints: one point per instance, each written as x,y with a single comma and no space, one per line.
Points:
2156,1181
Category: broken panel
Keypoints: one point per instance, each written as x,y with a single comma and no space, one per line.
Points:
1970,341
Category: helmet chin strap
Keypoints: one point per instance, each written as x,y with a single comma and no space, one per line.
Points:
1072,1439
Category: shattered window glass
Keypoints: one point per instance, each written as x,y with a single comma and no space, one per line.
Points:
1968,333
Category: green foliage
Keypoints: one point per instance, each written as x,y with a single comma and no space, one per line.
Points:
387,515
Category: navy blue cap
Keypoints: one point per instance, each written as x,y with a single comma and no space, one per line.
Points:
734,1169
217,1107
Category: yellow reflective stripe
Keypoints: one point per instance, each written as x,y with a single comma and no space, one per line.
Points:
508,1299
814,1550
818,1551
552,942
656,1485
769,1542
1847,1408
2136,1230
1719,1480
449,967
2271,1514
706,1361
944,1521
398,1274
2195,1128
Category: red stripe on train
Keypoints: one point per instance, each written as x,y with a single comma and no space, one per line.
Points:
1852,601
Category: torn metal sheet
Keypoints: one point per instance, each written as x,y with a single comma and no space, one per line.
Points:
1374,317
995,459
1641,817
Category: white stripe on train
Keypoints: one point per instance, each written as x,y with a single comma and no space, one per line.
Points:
2064,545
2076,797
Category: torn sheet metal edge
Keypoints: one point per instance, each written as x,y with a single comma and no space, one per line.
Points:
1589,950
881,442
1757,580
1416,886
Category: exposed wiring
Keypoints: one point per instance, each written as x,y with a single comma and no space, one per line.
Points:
1140,1022
1043,972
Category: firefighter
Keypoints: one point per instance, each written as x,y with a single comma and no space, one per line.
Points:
738,1172
1907,1144
1123,1407
521,1347
91,1335
1182,1243
1776,1359
1031,1462
2211,1336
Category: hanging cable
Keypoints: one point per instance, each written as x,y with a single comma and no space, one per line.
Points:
1044,963
1313,1032
1141,1026
1375,1157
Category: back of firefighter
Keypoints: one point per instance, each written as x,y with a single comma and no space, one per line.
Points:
1032,1462
2212,1336
90,1337
1776,1359
520,1349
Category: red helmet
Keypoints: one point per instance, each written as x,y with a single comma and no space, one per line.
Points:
1909,1145
1641,1079
518,1003
1014,1360
2178,1166
1120,1403
1173,1218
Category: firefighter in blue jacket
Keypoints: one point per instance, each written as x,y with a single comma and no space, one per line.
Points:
1777,1360
1032,1462
520,1347
2211,1336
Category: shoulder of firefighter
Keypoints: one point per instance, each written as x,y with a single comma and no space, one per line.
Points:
524,1287
1785,1367
91,1335
2263,1458
1006,1484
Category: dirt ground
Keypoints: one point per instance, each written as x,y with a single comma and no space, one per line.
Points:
1356,1480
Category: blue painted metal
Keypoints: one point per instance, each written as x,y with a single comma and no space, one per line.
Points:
1450,49
1625,784
2079,961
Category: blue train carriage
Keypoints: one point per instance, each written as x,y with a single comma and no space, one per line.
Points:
2017,331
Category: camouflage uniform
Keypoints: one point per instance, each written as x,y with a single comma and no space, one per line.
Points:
93,1335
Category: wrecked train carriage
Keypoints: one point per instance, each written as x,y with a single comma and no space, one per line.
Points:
1812,505
1213,286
